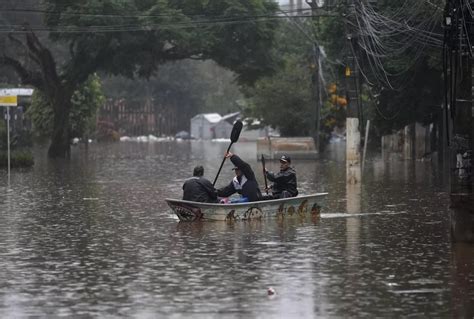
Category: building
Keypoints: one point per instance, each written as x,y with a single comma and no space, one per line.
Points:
212,125
223,128
203,125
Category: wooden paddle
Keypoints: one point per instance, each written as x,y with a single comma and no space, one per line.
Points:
234,137
264,175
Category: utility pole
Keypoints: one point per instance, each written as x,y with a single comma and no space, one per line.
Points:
353,163
316,82
460,119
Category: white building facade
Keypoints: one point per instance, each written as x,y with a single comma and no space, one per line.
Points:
203,125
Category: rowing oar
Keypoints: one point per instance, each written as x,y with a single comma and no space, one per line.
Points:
264,175
234,137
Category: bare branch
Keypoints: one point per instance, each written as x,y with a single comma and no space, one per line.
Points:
27,77
24,46
46,60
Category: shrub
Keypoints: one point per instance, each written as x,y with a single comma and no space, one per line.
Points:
106,132
18,158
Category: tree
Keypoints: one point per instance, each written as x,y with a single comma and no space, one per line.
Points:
85,103
182,88
398,49
285,100
133,38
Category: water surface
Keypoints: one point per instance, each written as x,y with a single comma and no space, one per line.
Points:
92,237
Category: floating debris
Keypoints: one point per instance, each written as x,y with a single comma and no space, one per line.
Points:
270,291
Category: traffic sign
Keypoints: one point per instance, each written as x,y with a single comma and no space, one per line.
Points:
8,100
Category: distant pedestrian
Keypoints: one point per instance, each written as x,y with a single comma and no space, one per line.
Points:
284,182
198,188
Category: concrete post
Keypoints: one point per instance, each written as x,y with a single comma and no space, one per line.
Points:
353,160
353,165
316,114
316,67
408,137
353,225
461,146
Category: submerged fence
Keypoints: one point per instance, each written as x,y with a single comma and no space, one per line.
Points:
140,117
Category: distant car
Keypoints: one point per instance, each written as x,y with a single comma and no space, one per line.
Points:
183,135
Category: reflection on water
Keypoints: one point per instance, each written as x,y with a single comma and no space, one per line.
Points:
93,237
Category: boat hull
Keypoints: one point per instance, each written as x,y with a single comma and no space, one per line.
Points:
302,206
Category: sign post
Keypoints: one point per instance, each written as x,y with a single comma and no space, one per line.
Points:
8,100
8,142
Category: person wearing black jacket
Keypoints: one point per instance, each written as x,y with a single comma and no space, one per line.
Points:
243,183
284,182
198,188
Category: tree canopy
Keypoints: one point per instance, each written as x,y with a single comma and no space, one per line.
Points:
185,88
134,38
398,47
86,100
285,100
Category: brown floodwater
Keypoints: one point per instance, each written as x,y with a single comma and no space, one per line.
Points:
92,237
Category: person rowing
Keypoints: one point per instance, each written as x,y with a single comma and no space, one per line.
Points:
284,182
243,183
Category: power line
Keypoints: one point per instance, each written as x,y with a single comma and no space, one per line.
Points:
408,30
141,22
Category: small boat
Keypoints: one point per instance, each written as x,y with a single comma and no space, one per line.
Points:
306,205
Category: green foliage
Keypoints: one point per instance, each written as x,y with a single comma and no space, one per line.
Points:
18,158
190,86
332,36
3,135
18,139
415,74
418,101
133,39
106,132
19,155
149,33
41,114
85,102
285,100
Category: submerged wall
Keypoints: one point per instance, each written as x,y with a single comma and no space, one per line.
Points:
295,147
411,142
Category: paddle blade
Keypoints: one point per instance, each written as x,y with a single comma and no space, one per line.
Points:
234,136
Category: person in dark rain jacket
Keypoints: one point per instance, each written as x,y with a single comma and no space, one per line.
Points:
284,182
198,188
244,182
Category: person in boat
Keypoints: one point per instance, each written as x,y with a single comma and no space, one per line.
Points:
243,183
198,188
284,182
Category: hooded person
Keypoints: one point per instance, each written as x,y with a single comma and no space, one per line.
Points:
198,188
284,182
243,183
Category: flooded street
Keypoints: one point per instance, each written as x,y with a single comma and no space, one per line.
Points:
93,237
